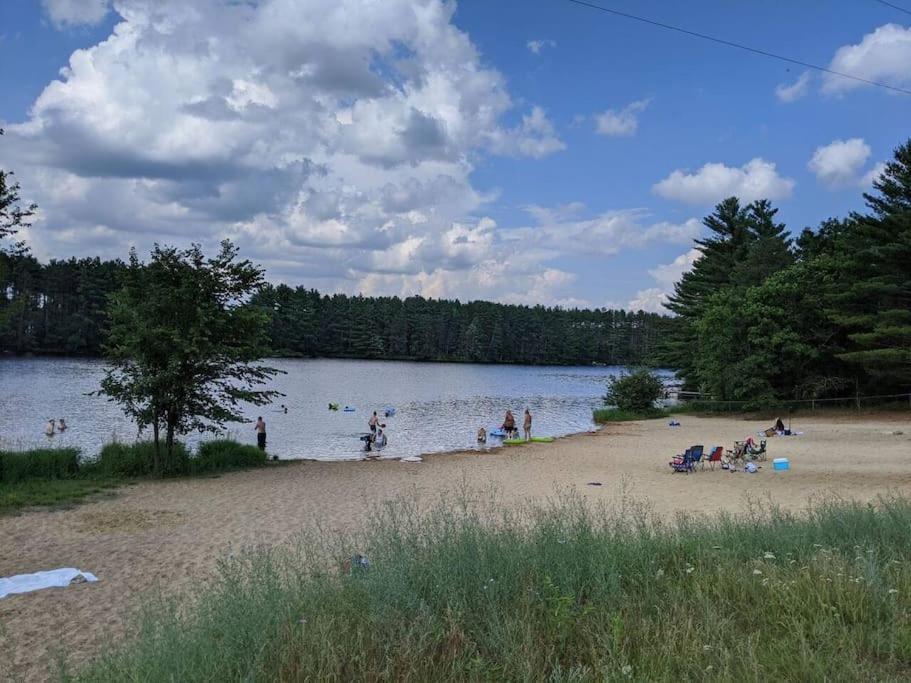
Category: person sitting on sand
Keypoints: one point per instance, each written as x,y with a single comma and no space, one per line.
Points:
779,425
50,428
526,426
509,424
61,425
482,435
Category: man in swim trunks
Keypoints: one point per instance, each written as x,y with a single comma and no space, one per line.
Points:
260,433
527,425
373,422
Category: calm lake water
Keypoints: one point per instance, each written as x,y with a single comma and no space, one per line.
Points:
439,406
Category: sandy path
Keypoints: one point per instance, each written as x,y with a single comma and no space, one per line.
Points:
169,531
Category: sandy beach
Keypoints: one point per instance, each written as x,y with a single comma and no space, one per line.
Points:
168,532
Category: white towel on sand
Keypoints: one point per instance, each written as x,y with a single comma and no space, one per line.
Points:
55,578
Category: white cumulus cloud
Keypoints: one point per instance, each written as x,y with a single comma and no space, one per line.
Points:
66,13
883,56
335,152
839,163
872,175
620,122
536,46
757,179
653,299
534,137
794,91
563,230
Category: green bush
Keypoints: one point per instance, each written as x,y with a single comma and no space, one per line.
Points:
40,463
225,454
636,391
137,459
470,592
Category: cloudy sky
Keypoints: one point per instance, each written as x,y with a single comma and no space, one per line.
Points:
519,150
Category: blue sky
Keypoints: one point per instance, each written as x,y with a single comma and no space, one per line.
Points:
520,151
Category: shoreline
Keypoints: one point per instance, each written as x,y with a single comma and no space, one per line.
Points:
170,533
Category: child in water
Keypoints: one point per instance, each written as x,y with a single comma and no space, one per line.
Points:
482,435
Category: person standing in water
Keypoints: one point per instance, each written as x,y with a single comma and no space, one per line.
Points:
50,428
527,425
374,420
61,425
509,424
260,433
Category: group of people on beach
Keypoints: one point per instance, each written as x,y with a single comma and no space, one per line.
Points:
53,427
509,428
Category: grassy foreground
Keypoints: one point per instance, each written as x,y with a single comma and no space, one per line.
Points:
465,591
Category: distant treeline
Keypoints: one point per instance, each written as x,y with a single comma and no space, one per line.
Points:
306,323
60,308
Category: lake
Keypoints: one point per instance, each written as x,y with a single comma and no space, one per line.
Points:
439,406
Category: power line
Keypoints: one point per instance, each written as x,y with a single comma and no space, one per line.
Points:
739,46
889,4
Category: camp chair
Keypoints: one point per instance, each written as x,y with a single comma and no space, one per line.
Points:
714,456
697,455
683,463
739,451
759,453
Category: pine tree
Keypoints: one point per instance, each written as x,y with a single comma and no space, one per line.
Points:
875,264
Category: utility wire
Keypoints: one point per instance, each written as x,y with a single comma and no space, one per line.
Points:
739,46
889,4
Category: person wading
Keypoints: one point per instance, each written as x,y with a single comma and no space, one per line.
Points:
260,433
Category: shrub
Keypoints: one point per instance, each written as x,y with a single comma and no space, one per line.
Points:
136,459
40,463
225,454
636,391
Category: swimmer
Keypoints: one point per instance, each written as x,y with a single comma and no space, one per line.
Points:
61,425
482,435
50,428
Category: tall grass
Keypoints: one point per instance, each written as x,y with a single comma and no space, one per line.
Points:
465,591
56,476
40,463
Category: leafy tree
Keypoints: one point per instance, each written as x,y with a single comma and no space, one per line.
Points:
184,342
12,219
12,216
636,391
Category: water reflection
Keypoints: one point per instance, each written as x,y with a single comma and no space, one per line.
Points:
439,406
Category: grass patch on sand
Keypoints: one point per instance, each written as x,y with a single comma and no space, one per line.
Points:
50,492
603,415
469,591
62,476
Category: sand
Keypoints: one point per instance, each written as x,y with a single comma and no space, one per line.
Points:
169,532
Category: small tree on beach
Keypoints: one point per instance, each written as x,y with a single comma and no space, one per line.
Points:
184,343
636,391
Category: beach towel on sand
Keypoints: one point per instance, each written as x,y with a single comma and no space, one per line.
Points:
55,578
